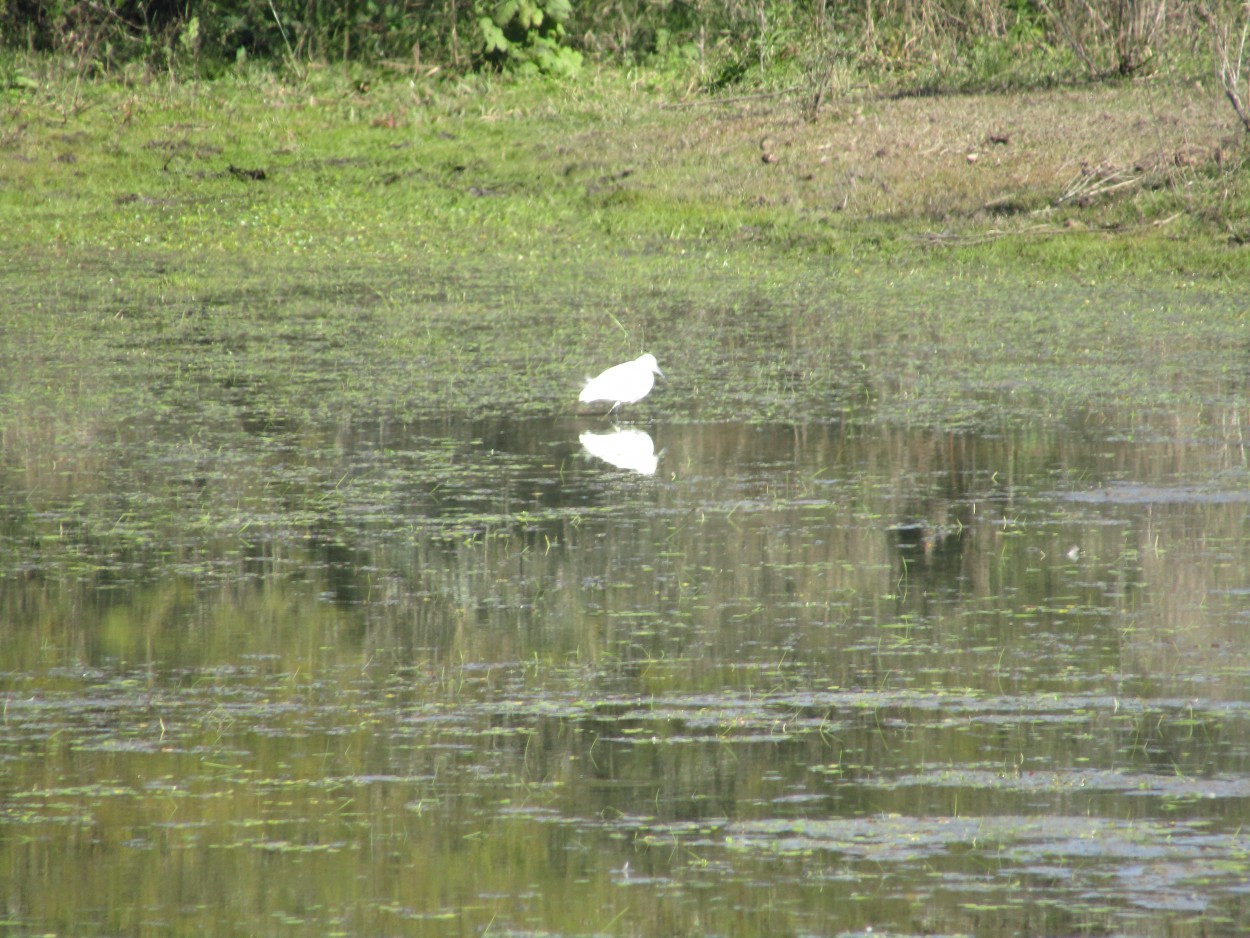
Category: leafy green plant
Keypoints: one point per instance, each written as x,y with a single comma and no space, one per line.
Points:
528,36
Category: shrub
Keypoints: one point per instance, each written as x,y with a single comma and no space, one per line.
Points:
528,36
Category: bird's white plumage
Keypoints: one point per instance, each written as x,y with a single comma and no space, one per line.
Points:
626,383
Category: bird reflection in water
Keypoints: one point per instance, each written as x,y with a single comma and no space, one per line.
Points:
632,450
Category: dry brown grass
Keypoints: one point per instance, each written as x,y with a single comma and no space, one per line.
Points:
941,159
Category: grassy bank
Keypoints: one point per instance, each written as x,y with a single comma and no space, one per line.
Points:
1135,176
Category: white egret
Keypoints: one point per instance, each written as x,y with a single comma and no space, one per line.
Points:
626,383
633,450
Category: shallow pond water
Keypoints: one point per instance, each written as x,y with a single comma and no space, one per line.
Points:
283,654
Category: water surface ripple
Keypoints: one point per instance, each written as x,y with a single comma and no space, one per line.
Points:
339,668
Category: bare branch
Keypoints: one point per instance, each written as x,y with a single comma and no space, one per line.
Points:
1231,73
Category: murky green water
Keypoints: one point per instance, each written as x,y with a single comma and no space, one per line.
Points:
320,617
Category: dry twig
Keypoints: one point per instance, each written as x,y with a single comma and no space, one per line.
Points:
1229,64
1092,182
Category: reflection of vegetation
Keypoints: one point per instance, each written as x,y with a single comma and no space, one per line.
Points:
384,653
444,553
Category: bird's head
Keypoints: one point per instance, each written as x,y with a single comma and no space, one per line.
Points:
649,360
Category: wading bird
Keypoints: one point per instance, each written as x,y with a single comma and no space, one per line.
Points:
626,383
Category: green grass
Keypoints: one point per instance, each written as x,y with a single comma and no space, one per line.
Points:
477,167
251,227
